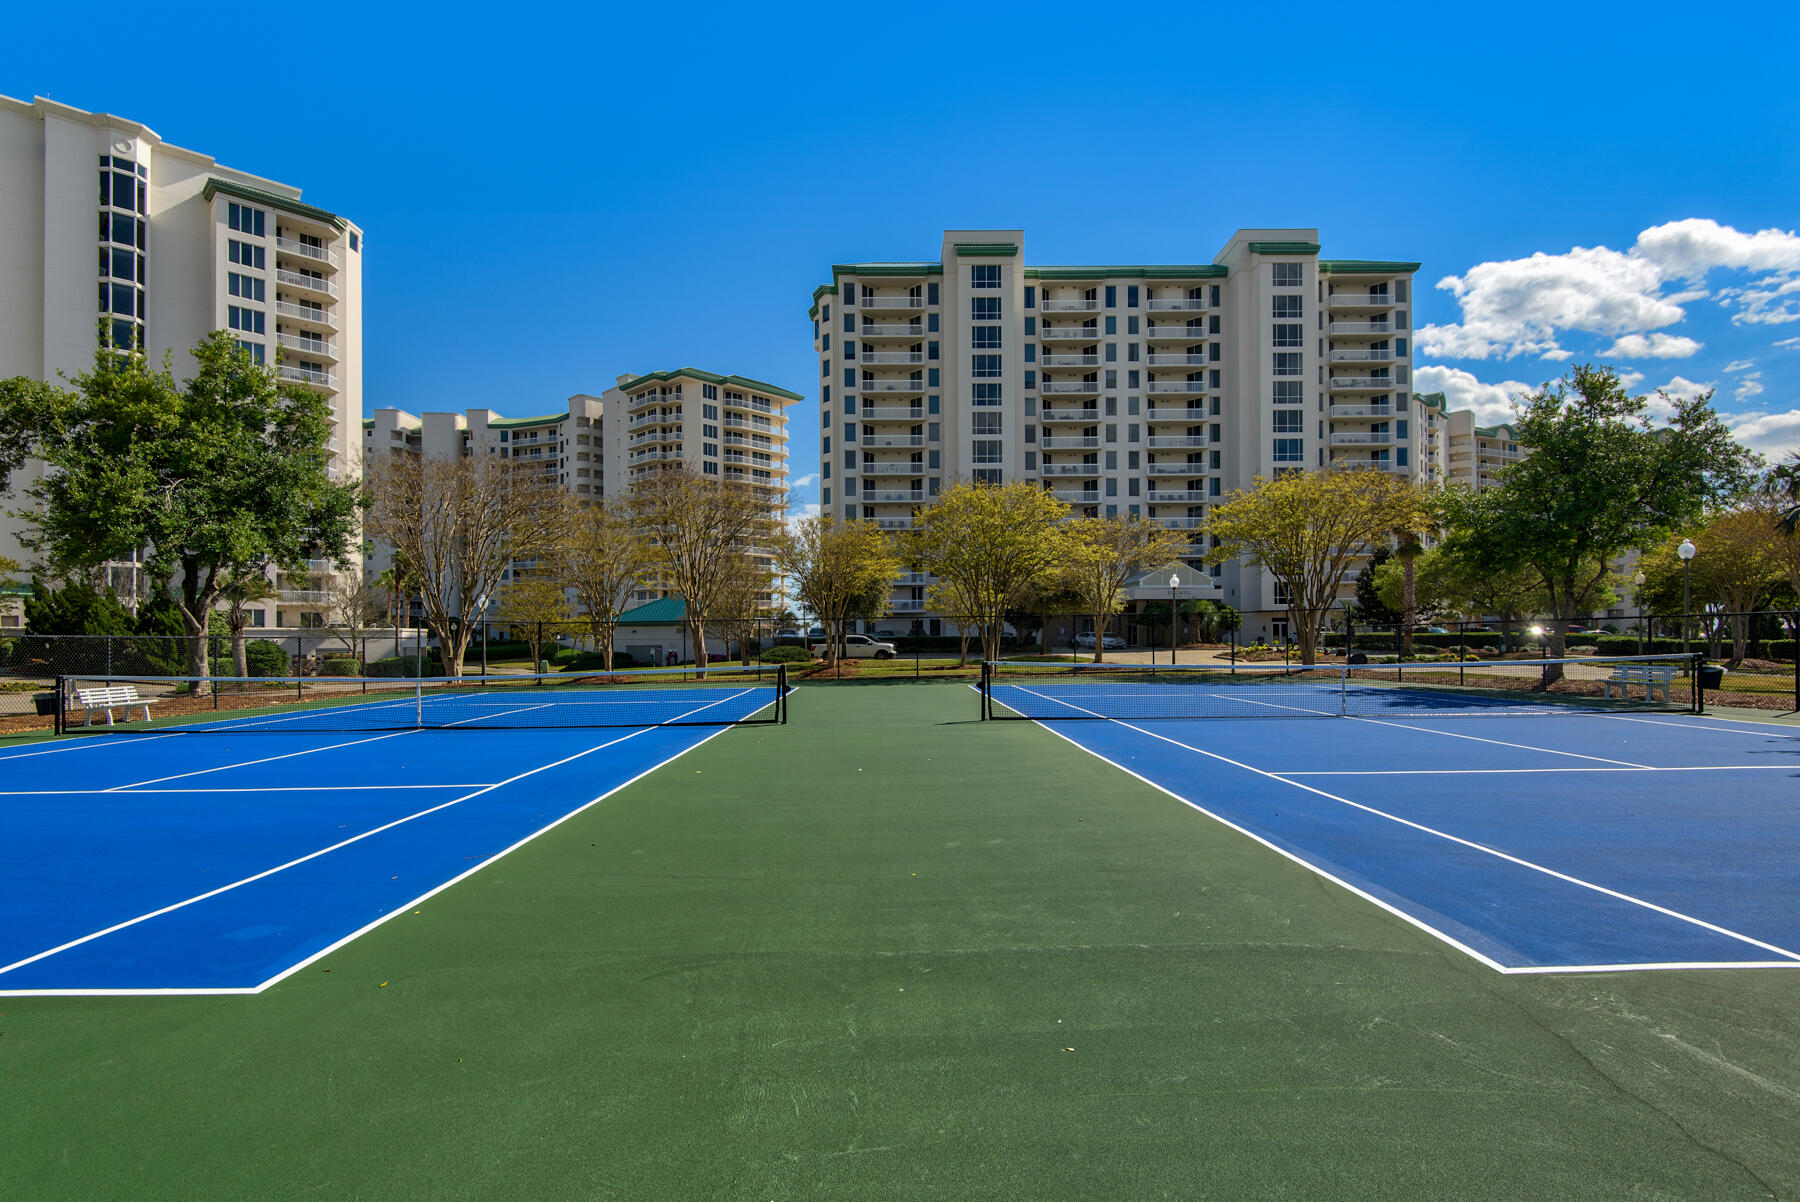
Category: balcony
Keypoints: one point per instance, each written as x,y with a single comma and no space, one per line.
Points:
1071,360
755,440
893,469
893,385
1354,440
305,375
1171,444
913,579
893,413
895,496
1090,496
1176,360
1167,333
894,440
652,456
652,398
1361,300
305,283
644,436
1361,383
893,523
1070,334
1069,442
1340,411
1173,304
307,346
1181,523
317,254
1176,386
891,357
1164,414
1189,496
1070,306
738,421
1361,355
1071,387
1177,469
759,406
892,329
906,605
1360,327
894,304
653,419
304,596
1089,414
318,317
1368,465
1070,469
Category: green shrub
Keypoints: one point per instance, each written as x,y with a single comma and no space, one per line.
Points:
265,658
786,655
339,665
406,665
594,661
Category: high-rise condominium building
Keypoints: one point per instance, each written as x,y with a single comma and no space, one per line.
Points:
103,221
1154,389
729,427
1457,451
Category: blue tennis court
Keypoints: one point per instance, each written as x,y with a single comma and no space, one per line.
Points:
222,856
1557,840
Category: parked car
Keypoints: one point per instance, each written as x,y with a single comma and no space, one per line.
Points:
1112,642
859,646
1436,630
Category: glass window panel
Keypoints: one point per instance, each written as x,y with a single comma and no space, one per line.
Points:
122,264
123,300
124,191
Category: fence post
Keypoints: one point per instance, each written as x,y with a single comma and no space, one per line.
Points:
1462,652
62,685
1699,689
109,670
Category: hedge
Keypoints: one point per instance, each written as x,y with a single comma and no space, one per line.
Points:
264,658
786,655
405,665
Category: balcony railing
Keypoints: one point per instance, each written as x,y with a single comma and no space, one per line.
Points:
901,303
1069,442
1181,497
304,596
892,329
906,605
894,523
1363,383
895,496
305,375
649,456
894,440
1337,411
1182,523
893,469
321,317
1352,440
288,246
1070,334
1361,300
891,357
893,386
1177,469
1163,414
1170,304
893,413
1091,414
913,578
1360,355
311,346
1165,333
1071,360
1156,386
749,403
1076,387
1087,496
1176,360
652,398
1070,306
646,419
1361,327
1171,444
294,279
1070,469
747,423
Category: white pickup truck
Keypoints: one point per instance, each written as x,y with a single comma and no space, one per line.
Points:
859,646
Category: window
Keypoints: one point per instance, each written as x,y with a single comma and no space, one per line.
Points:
1112,324
1288,335
983,338
244,219
247,286
1287,450
710,412
1286,306
246,255
248,320
986,475
986,451
985,394
1112,296
984,308
985,366
709,391
1289,392
1131,299
985,423
1287,421
983,275
1287,275
1287,364
709,431
254,350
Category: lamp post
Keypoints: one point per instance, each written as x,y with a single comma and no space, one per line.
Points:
1686,550
1174,583
1638,580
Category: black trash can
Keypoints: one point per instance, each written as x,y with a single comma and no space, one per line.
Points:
1358,658
1712,676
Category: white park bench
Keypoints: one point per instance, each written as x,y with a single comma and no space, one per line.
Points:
122,696
1650,677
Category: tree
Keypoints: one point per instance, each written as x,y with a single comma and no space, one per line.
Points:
836,568
738,606
1603,478
353,604
1306,529
458,524
246,587
76,607
532,606
1783,482
1372,608
605,560
988,544
1103,555
698,524
213,476
1741,561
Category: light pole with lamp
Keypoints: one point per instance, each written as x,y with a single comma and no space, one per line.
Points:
1686,550
1638,581
1174,583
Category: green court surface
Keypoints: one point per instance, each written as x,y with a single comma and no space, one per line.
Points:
890,952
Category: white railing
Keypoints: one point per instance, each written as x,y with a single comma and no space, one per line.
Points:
1159,444
902,496
904,605
1073,387
747,423
1177,469
1360,300
1086,496
655,436
1360,327
893,469
913,578
312,346
1181,523
648,456
306,596
1069,442
295,279
1071,360
891,357
645,419
1337,411
892,329
651,398
1184,333
1070,469
1360,355
1367,465
1069,415
1176,386
1160,414
1187,496
751,440
1070,334
1070,306
299,313
893,386
1352,440
894,440
892,302
1176,360
749,403
288,246
892,413
304,375
1361,382
1168,304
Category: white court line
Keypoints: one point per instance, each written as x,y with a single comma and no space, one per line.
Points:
268,759
198,792
1767,728
1793,958
122,741
1450,734
1528,771
268,872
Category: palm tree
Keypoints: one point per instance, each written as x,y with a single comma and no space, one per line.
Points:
1784,481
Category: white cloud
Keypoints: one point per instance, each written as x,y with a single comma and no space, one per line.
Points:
1630,379
1749,386
800,512
1790,344
810,480
1685,389
1742,364
1688,249
1652,346
1775,435
1770,301
1491,402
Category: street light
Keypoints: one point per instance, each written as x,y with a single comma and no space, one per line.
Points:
1174,583
1686,550
1638,581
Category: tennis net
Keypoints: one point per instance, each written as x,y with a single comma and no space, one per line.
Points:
1037,690
721,695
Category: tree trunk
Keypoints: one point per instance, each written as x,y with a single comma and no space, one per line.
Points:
1409,599
1099,639
701,659
962,634
1309,639
240,658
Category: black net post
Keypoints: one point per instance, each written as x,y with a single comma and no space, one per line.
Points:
781,691
1699,690
62,694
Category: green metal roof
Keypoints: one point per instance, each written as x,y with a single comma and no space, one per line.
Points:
286,204
1365,267
1433,400
992,250
728,381
1171,271
1284,248
838,269
510,423
666,611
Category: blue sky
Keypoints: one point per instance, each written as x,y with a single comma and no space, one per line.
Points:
551,202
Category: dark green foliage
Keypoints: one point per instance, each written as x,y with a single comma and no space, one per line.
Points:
75,608
786,655
594,661
265,658
164,650
1369,608
405,665
339,665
